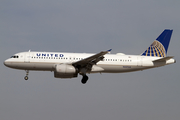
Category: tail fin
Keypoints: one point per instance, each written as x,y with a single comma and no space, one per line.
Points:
160,46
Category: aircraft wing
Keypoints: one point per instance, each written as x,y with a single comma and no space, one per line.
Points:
89,61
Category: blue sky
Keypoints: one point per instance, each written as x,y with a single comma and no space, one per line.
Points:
88,26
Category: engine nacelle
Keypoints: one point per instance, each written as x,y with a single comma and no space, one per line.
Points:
65,71
65,68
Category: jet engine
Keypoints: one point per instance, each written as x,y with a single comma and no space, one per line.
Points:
65,71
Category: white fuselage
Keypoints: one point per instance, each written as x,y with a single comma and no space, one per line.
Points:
112,63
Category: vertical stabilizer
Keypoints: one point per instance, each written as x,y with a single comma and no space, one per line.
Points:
160,46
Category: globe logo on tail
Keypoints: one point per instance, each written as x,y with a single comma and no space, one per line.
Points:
156,49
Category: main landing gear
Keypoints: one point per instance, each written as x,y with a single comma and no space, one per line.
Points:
84,79
26,77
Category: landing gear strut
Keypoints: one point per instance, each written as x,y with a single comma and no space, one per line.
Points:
84,79
26,77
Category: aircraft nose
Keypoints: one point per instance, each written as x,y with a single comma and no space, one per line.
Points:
6,63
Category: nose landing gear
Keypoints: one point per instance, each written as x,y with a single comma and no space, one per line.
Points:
26,77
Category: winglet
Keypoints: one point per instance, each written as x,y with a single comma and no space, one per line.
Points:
109,51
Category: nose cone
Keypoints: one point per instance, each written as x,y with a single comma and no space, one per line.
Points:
7,63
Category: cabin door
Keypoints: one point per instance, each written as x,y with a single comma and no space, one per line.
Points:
27,57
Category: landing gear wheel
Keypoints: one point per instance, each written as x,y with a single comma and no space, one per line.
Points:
26,77
84,79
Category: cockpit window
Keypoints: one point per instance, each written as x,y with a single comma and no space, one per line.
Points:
15,56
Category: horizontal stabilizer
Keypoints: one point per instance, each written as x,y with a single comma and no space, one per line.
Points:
163,59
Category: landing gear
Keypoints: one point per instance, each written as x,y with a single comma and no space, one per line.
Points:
84,79
26,77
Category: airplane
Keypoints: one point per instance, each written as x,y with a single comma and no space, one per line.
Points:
69,65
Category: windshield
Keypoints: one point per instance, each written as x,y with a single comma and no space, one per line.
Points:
14,56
